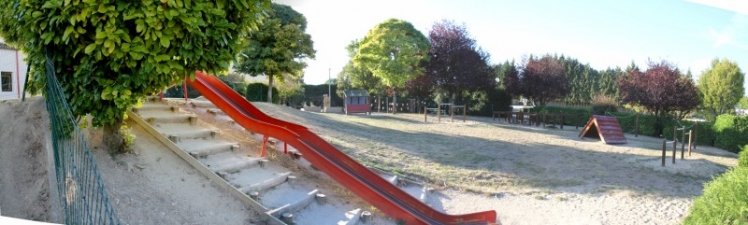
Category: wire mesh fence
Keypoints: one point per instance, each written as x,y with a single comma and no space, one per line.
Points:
81,191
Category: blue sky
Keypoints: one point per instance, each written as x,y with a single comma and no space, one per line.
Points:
601,33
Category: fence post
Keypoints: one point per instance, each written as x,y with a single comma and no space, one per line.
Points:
675,143
690,141
438,112
425,114
464,112
683,142
663,152
695,136
636,124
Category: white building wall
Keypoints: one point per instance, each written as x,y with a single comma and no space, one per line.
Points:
13,61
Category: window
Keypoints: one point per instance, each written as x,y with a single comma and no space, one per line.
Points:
5,81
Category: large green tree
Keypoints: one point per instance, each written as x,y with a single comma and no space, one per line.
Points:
109,54
721,87
357,76
394,51
278,48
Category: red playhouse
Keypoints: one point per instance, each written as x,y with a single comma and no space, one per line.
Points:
357,101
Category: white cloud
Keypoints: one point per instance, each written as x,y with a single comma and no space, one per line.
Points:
738,6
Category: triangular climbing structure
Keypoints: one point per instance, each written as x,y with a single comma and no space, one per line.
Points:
606,128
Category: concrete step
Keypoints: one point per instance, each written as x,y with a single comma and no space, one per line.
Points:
238,166
147,107
264,184
299,201
202,147
169,118
181,131
327,214
202,104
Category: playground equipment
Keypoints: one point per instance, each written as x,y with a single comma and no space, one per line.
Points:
371,187
682,129
606,128
438,110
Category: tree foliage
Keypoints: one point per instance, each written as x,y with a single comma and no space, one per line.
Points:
108,54
721,87
541,80
456,64
662,90
356,76
393,51
278,47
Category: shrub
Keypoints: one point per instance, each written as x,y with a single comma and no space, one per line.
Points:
602,104
258,92
743,159
724,200
578,116
628,123
731,132
704,133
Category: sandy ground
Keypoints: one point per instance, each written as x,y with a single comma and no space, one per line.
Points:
24,186
529,175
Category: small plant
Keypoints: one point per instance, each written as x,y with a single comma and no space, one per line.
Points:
128,138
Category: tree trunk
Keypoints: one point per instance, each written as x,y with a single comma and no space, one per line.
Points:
112,139
270,88
394,101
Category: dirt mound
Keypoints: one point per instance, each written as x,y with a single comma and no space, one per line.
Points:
24,184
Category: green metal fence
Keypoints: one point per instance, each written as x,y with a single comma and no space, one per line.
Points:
81,191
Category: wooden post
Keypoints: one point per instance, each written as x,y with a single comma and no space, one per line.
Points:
563,120
690,141
464,112
425,114
636,125
675,143
663,152
695,136
683,143
452,113
438,112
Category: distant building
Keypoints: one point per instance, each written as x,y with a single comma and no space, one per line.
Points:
12,72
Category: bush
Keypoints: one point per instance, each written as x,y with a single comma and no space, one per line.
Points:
628,123
731,132
578,116
743,159
602,104
258,92
724,200
704,133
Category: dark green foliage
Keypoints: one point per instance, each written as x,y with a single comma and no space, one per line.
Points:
257,92
732,132
176,91
578,117
486,103
109,54
278,47
705,135
602,104
743,159
628,123
724,201
315,93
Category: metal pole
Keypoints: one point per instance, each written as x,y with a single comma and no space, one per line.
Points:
329,90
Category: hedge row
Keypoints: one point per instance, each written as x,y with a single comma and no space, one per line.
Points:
732,132
724,200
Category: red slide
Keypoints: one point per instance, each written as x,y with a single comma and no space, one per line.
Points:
368,185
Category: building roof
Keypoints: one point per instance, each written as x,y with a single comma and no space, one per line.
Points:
4,46
356,93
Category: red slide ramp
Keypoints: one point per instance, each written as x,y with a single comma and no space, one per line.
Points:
360,180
